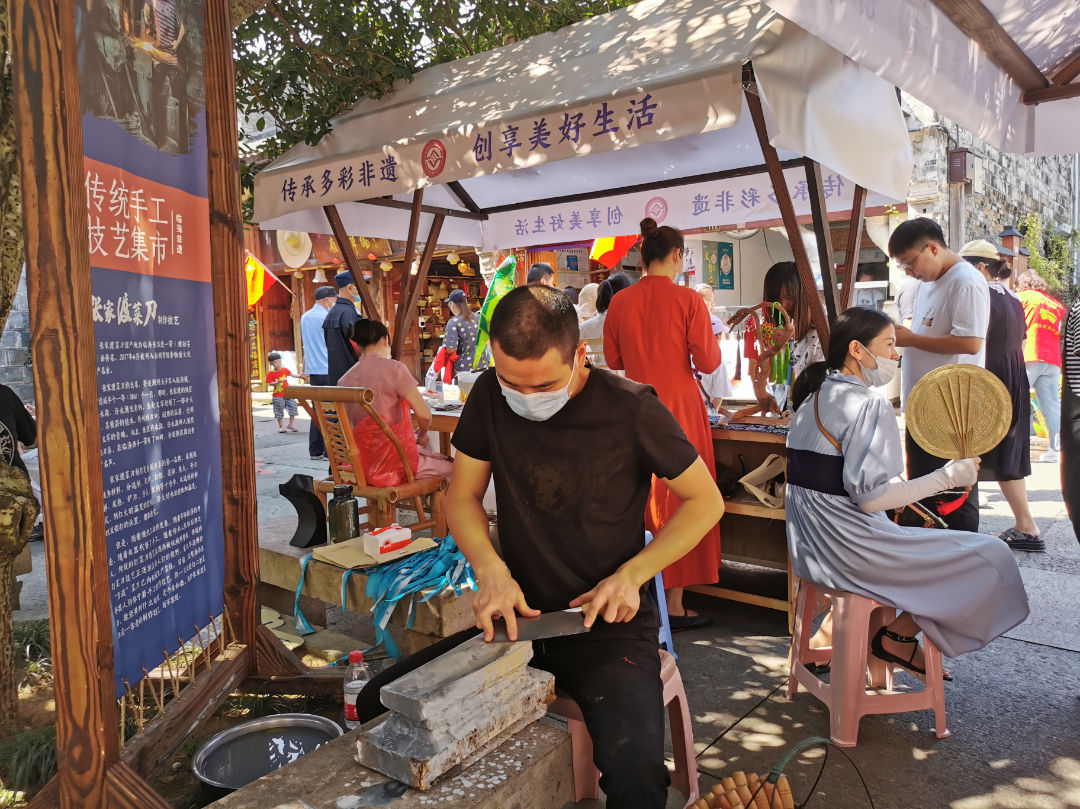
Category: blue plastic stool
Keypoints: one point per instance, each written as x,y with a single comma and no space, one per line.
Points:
661,604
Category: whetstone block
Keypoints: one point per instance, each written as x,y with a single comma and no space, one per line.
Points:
449,711
431,690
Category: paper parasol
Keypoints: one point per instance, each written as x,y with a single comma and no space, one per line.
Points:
959,411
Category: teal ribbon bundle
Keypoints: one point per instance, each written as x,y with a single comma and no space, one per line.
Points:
434,571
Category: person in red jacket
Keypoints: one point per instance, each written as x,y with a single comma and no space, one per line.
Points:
1042,353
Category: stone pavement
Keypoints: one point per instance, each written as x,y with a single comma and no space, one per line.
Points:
1013,709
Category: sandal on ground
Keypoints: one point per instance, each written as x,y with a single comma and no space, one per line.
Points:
1019,541
680,623
292,429
281,429
877,648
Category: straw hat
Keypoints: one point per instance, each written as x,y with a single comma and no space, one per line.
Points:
980,248
294,247
959,411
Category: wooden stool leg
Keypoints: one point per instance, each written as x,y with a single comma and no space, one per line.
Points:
586,776
880,671
438,513
800,637
847,683
685,777
936,685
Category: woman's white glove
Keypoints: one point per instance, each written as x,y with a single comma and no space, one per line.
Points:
963,472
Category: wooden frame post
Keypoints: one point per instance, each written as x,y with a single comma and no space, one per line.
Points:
854,243
413,299
820,213
352,262
231,328
48,116
787,213
401,315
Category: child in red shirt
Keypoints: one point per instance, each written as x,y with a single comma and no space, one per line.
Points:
278,379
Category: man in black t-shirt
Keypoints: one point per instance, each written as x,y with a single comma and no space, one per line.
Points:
572,450
338,327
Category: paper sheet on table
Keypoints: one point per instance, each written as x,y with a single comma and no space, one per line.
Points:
350,553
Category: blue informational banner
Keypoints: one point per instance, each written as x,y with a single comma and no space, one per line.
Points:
141,66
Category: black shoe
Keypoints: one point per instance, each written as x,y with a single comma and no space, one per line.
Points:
877,648
317,457
1019,541
38,534
680,623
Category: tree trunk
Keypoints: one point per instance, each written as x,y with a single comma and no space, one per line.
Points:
11,226
18,512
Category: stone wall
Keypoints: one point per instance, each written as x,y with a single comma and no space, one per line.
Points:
15,369
1013,185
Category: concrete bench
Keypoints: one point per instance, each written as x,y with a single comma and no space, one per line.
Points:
530,770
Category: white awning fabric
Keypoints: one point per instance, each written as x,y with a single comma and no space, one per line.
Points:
915,46
639,110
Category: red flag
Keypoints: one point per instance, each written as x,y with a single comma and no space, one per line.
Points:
611,250
259,279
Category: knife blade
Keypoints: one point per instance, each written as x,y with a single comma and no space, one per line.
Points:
546,625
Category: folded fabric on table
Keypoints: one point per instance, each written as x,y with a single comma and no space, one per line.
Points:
435,570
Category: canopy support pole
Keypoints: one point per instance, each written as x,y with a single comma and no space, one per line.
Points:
787,212
819,212
351,261
409,304
854,243
405,292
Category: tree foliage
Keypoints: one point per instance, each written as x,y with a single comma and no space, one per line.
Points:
300,64
1051,256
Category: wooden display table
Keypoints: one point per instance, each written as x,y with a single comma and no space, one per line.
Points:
530,770
443,422
750,532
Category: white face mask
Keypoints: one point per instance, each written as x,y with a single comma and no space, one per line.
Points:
538,406
881,375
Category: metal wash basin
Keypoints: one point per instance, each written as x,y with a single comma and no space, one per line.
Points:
239,755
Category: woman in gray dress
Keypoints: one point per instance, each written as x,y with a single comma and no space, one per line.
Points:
844,458
461,332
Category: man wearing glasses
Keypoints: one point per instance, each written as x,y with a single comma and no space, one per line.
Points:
950,316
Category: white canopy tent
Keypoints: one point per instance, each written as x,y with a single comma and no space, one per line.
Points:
655,106
1004,69
684,57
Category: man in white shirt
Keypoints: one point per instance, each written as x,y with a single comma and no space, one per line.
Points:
316,364
905,301
950,316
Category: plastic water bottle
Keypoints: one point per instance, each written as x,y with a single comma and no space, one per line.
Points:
356,677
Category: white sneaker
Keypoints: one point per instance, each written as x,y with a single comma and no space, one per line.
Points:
1049,456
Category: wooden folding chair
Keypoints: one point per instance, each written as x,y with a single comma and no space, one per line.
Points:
326,405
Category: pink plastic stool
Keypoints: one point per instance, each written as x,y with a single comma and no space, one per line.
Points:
685,776
856,619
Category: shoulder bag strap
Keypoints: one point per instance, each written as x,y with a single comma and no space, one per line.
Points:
821,426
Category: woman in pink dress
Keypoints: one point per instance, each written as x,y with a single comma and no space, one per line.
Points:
397,399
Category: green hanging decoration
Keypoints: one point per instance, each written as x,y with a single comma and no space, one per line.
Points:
781,360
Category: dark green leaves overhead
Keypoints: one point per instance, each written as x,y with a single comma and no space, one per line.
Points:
300,63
